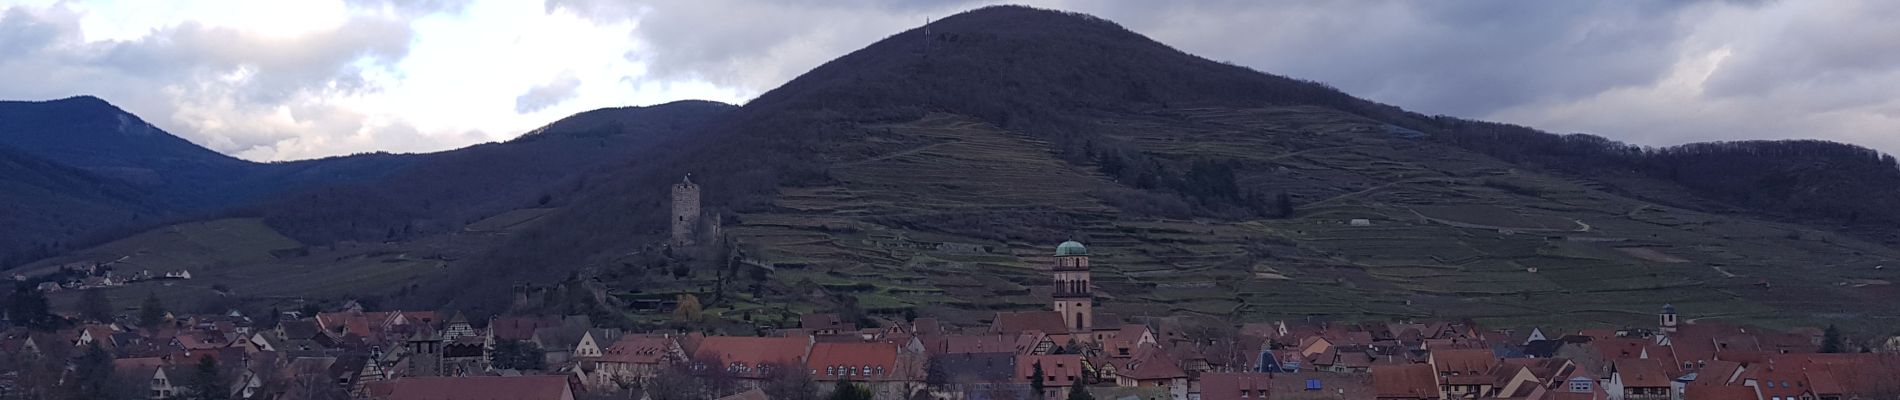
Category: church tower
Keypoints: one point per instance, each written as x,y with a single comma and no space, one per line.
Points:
1072,297
685,211
1667,320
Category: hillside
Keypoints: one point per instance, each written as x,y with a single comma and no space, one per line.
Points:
936,173
56,204
440,192
83,171
122,175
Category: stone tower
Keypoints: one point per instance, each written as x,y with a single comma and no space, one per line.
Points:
685,211
425,352
1072,298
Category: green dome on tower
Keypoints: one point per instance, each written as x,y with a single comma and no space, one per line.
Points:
1071,248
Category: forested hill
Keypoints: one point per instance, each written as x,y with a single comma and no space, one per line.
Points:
443,191
1009,129
80,171
1815,182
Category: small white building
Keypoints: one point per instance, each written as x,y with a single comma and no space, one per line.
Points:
1360,222
179,274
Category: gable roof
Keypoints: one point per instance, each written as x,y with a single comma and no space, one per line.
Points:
632,349
1230,385
1640,373
1057,369
1049,322
519,328
1404,381
1150,365
753,351
881,357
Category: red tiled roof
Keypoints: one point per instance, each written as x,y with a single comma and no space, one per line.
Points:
1049,322
1716,373
634,349
481,388
753,351
1150,365
1230,386
1057,370
850,361
1641,373
1404,381
1464,361
519,328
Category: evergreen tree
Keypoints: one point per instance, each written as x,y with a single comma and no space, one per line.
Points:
1079,392
207,383
1036,379
28,307
93,305
847,391
1831,343
92,374
152,311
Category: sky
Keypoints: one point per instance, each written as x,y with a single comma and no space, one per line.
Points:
286,79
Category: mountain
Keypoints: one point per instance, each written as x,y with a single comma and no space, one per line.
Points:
443,191
90,134
44,205
82,171
936,173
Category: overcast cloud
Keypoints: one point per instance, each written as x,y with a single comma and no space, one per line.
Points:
290,80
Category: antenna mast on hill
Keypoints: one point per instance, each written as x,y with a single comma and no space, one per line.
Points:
926,36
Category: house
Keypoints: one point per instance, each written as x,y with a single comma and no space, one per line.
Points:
1060,373
475,388
163,380
634,358
971,374
751,357
464,355
1515,382
1235,386
594,341
1404,382
457,326
1577,387
1638,379
878,366
1464,372
1155,369
518,327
